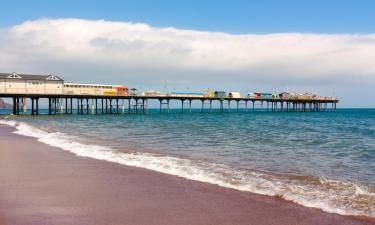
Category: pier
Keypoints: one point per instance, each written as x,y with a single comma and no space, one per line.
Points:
69,98
89,104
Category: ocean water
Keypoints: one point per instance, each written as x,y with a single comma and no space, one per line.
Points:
324,160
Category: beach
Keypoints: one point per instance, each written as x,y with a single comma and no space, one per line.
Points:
40,184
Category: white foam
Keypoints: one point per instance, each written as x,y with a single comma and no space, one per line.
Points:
328,195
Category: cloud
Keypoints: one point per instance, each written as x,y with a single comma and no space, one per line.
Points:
137,52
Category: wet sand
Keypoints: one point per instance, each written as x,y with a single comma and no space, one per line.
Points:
42,185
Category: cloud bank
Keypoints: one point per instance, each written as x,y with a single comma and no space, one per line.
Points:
137,52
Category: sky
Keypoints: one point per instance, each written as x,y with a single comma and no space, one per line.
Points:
326,47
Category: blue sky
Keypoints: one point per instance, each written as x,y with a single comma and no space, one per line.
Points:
325,47
234,16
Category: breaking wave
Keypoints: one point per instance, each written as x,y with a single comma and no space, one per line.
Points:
334,196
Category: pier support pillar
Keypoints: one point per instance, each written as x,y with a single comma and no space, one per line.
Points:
14,106
66,105
117,111
49,106
32,106
102,106
106,106
136,106
92,108
96,106
81,106
110,106
18,106
160,101
78,106
55,105
122,106
24,106
37,106
144,102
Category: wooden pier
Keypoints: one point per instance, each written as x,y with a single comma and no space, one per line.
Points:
133,104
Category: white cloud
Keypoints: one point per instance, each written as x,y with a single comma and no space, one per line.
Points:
134,51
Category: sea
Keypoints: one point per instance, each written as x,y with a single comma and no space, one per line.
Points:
324,160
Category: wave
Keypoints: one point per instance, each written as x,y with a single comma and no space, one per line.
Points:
334,196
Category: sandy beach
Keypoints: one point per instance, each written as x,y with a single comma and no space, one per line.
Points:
43,185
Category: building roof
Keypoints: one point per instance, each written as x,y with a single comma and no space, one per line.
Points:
49,77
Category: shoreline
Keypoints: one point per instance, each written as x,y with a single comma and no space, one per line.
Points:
40,184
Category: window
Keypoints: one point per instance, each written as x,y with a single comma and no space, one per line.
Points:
35,83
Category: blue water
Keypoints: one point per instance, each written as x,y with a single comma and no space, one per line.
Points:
338,146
